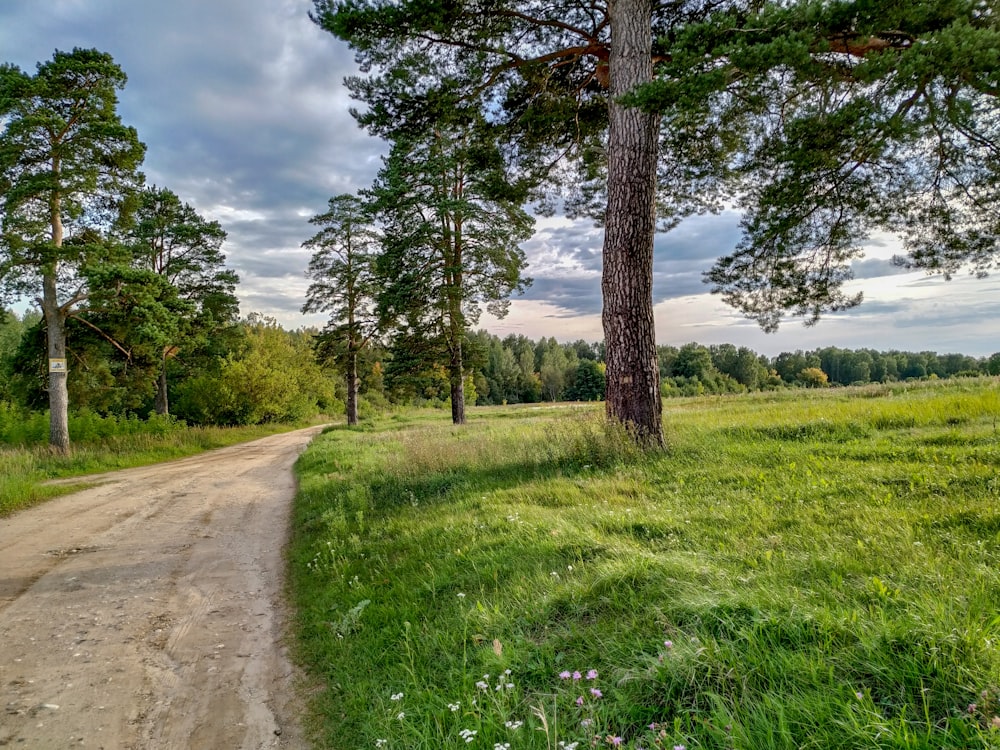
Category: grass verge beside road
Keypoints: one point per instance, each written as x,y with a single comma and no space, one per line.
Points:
796,570
23,470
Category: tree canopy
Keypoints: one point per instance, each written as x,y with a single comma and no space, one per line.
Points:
827,121
171,241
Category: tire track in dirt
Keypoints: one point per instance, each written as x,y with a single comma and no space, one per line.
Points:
147,612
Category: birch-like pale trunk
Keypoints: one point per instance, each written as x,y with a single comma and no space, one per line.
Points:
55,326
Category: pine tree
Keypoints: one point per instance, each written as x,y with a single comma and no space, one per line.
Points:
170,239
67,165
450,243
807,112
342,274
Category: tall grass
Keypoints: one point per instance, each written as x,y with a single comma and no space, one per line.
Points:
99,444
816,570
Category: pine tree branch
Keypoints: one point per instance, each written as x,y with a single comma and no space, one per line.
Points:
119,347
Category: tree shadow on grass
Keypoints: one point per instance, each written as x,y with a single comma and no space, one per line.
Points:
392,491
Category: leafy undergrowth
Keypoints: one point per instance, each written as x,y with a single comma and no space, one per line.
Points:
809,570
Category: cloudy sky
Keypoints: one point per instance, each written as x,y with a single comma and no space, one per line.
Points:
242,109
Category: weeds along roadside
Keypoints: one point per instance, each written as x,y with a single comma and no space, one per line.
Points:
100,444
808,570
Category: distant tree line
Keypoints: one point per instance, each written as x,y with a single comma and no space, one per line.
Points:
516,369
251,371
694,369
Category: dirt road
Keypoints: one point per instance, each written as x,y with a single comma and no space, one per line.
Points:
147,612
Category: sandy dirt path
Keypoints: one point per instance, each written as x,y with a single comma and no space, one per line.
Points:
148,612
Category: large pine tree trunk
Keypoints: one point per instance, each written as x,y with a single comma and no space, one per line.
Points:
633,383
352,387
456,324
457,380
58,393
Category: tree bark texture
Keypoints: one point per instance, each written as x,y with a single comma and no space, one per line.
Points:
456,321
457,379
633,381
55,327
352,386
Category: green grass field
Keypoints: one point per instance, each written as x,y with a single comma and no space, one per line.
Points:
798,570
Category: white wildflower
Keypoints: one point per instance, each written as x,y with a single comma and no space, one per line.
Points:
469,735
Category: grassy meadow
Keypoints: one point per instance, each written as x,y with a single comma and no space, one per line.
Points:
797,570
99,444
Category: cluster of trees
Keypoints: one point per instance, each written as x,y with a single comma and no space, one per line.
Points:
518,370
847,367
824,121
414,259
135,298
250,371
